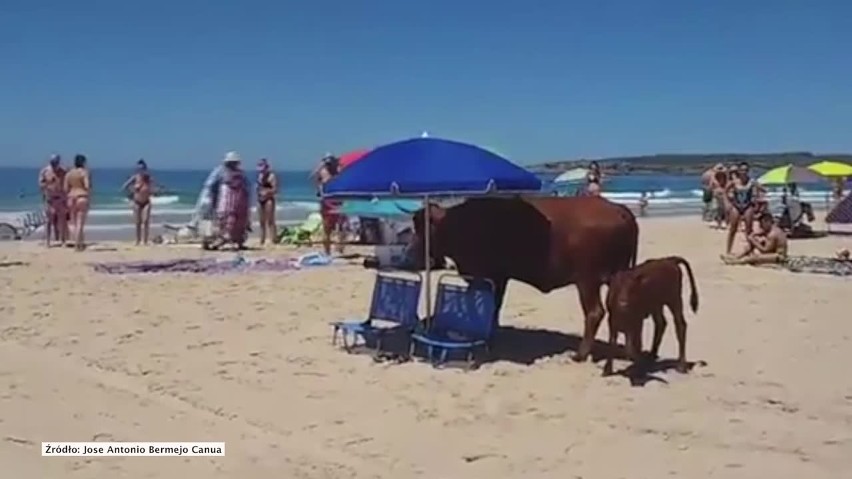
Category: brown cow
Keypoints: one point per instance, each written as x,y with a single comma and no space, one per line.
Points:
641,292
546,242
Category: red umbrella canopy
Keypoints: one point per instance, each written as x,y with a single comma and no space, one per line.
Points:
347,159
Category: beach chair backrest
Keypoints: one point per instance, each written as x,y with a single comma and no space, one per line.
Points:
396,299
33,221
467,309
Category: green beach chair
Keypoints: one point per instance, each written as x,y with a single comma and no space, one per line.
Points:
303,233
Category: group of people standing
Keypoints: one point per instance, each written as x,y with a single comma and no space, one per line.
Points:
66,196
733,198
229,190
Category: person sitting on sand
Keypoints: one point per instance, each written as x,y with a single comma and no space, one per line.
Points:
140,188
765,247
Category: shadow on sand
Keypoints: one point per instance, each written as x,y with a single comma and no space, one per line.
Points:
524,346
9,264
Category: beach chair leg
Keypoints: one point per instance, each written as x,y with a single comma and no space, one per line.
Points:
334,335
412,348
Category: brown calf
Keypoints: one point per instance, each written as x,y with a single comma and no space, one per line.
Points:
641,292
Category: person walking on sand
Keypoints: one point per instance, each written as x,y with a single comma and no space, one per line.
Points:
51,182
233,208
267,189
741,193
719,185
707,192
140,187
78,188
329,168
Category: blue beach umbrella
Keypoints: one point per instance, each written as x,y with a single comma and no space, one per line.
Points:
429,167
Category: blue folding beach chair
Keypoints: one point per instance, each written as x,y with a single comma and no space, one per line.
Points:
394,303
462,321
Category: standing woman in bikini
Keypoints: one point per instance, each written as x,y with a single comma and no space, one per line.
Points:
267,188
78,188
741,193
593,179
140,187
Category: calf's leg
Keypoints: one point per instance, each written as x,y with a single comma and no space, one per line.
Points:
659,329
680,330
590,300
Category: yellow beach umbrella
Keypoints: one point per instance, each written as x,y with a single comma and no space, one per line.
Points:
832,169
789,174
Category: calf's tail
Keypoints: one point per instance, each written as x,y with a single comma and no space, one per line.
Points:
693,295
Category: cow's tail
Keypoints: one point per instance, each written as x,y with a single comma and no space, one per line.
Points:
693,296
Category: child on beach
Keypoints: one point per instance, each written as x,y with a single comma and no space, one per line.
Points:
643,203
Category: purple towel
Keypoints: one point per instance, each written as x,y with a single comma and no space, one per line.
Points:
209,266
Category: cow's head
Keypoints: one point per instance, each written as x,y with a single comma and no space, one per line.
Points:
418,246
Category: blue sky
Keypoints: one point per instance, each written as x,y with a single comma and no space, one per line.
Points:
181,82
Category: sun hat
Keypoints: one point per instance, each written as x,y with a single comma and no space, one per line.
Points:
231,157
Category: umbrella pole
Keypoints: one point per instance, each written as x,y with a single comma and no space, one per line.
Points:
427,260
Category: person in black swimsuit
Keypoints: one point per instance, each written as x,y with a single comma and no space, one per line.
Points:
741,192
140,188
267,188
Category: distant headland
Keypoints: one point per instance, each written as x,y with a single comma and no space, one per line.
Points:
688,164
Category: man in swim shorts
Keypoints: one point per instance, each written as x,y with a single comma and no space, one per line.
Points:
768,246
51,181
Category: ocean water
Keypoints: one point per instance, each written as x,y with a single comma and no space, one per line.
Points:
111,212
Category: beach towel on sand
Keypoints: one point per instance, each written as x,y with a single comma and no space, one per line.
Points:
815,265
208,265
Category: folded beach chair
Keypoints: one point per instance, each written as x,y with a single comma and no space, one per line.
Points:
23,226
394,303
462,320
303,233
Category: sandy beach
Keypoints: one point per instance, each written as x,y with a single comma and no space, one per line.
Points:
247,359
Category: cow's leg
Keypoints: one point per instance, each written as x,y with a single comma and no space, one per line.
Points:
680,330
499,294
659,329
590,300
613,343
